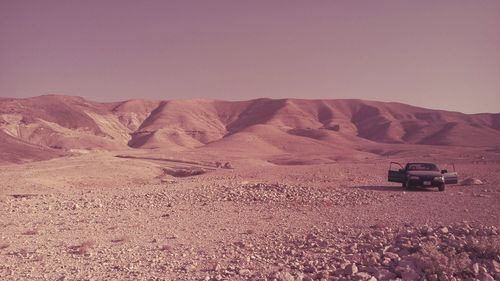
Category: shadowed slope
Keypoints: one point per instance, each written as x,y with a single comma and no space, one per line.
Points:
132,113
13,150
62,122
180,123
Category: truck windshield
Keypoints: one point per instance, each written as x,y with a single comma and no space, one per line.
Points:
422,167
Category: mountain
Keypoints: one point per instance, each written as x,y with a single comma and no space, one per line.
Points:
49,126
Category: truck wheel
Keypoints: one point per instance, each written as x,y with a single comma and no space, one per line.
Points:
441,187
408,185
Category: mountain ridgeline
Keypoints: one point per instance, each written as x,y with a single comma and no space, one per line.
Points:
45,126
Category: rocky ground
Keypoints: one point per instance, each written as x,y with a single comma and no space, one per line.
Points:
106,218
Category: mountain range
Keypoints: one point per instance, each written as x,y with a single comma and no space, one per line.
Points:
49,126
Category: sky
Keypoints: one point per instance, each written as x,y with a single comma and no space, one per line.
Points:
436,54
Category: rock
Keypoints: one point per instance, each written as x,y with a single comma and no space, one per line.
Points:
386,261
323,244
322,275
351,269
475,269
283,276
363,275
495,266
486,277
410,275
302,277
408,270
392,256
311,236
217,267
433,277
471,181
444,230
244,272
188,268
309,269
384,274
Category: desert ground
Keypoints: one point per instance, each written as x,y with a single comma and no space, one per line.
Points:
96,216
254,190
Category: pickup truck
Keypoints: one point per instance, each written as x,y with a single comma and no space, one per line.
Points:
421,174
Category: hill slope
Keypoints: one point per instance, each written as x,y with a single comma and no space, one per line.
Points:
51,125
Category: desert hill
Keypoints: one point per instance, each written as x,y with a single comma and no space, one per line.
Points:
49,126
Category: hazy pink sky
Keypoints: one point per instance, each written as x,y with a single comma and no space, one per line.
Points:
437,54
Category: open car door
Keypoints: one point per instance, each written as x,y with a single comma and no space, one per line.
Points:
450,177
396,173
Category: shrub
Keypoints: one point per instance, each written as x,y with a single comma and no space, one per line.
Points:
485,247
433,259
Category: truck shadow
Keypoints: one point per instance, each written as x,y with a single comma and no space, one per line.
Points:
394,188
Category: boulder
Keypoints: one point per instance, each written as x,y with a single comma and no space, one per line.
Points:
471,181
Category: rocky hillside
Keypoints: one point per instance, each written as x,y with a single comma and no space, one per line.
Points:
44,126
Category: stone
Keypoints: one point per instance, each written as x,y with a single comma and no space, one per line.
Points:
392,256
386,261
495,266
217,267
410,275
363,275
471,181
475,269
322,275
444,230
486,277
433,277
351,269
302,277
244,272
309,269
323,244
408,269
384,274
283,276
